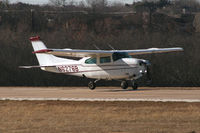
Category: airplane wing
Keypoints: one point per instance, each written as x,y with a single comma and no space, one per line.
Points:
153,50
91,53
75,52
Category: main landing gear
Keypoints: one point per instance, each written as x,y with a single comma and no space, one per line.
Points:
92,85
124,85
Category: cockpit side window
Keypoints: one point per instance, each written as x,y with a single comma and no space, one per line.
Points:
91,61
119,55
106,59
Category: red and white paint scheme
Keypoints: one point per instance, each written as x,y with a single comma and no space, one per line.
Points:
95,64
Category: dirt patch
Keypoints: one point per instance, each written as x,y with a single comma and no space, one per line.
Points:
90,117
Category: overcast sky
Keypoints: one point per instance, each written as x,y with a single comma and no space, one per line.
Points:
46,1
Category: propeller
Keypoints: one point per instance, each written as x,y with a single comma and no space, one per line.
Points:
148,74
147,64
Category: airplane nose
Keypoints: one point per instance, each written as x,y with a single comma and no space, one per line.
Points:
144,62
146,70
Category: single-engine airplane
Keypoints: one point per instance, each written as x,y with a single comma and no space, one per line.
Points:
96,64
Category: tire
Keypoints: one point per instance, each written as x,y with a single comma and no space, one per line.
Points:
124,85
91,85
134,86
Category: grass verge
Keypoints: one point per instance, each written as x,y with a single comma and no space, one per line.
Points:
91,117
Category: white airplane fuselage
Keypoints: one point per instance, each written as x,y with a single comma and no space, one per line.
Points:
124,68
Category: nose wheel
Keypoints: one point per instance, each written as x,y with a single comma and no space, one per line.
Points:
134,85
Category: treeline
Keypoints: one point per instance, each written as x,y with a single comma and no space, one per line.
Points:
81,27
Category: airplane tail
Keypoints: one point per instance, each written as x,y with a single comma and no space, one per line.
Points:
44,59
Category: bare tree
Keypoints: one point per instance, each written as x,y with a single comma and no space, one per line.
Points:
4,3
151,6
57,2
97,3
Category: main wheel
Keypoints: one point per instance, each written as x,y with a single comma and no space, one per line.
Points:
124,85
92,85
134,85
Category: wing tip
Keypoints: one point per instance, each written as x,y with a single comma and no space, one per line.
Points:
28,67
34,38
178,49
24,67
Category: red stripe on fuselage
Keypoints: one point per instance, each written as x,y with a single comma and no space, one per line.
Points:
102,70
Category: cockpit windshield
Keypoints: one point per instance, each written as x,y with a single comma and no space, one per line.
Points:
119,55
91,61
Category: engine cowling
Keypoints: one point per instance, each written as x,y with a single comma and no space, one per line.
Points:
146,72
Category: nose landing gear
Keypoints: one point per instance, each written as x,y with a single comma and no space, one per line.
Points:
134,85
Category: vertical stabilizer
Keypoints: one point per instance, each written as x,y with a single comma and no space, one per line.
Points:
43,59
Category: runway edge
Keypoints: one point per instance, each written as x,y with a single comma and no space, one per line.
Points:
99,99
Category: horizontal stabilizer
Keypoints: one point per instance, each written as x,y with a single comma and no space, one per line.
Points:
27,67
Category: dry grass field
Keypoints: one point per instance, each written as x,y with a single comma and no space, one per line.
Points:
98,117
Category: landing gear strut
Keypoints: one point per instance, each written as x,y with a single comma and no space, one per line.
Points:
124,85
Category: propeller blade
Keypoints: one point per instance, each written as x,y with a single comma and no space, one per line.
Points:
148,73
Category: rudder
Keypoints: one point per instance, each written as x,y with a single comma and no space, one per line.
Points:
43,59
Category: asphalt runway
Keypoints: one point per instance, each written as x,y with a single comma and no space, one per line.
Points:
163,94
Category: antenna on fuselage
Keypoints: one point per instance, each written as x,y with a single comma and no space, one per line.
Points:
96,47
110,46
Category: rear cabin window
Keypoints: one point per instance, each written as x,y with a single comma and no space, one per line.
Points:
91,61
106,59
119,55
